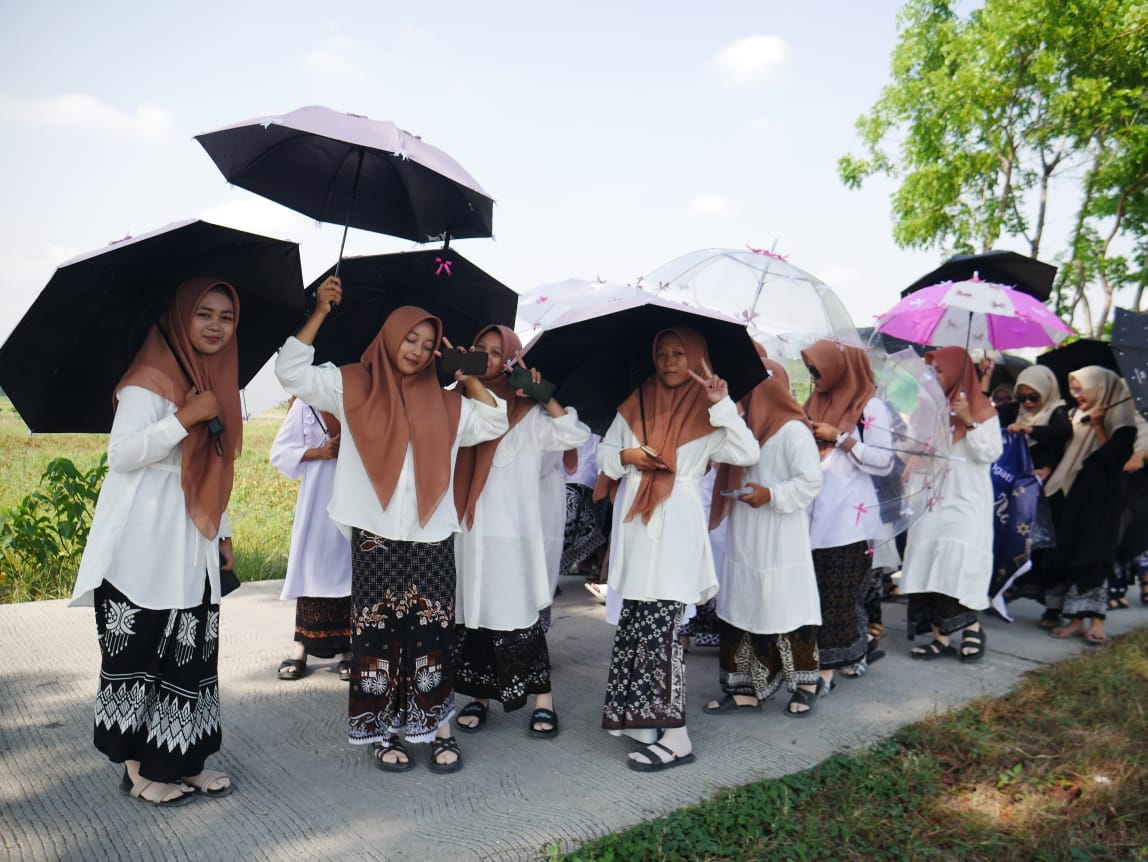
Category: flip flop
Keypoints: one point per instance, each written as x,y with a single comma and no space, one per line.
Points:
293,668
543,716
477,710
1091,639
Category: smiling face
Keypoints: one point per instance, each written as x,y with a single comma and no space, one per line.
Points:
213,323
417,348
670,361
491,344
1028,397
1078,393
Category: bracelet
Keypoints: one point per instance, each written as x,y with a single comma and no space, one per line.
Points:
974,425
841,438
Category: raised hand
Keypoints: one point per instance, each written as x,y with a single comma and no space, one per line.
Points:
329,295
716,388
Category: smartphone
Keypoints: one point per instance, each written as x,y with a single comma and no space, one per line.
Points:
469,363
541,392
736,492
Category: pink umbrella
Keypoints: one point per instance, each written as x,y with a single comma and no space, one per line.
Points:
973,313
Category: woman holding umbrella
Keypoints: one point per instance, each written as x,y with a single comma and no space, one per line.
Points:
392,499
949,552
655,453
151,565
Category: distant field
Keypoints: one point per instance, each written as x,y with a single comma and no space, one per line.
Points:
262,502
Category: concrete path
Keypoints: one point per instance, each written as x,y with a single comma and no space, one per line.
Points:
302,792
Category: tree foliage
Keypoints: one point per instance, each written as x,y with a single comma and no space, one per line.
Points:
991,113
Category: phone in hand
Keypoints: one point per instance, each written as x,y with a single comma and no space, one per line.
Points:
472,362
736,492
541,392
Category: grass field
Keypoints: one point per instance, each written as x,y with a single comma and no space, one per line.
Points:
261,509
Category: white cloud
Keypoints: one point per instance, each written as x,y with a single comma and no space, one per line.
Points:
750,61
81,112
333,57
711,205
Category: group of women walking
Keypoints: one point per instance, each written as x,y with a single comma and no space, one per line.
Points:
431,521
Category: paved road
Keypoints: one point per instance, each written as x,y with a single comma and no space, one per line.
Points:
304,792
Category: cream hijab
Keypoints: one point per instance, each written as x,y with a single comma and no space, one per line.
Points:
1040,379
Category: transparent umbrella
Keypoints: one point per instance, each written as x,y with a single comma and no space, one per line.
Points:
542,305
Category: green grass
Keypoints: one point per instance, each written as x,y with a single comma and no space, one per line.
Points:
1056,770
261,508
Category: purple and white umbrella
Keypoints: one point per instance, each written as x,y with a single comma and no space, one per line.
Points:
542,305
973,313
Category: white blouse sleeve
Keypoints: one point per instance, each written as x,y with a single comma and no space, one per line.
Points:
559,433
734,443
321,386
290,443
480,422
984,441
609,453
872,453
144,430
799,452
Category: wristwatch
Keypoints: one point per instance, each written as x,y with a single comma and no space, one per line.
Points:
973,425
841,438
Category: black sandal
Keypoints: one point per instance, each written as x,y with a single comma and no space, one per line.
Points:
345,670
1116,604
393,744
474,709
293,668
974,641
543,716
932,650
440,746
808,699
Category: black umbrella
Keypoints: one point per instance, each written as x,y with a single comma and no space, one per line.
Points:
443,282
350,170
62,361
1026,274
598,355
1085,351
1130,344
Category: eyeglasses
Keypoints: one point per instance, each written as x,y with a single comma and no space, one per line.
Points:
1028,399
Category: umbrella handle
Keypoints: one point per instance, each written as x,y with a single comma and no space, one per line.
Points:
350,208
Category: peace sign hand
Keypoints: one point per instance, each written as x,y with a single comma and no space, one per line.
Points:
716,388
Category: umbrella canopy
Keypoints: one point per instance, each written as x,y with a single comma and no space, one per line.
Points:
350,170
62,361
1130,344
1026,274
973,314
784,307
1084,351
540,306
443,282
598,355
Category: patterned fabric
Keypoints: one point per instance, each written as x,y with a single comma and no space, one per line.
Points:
323,625
704,627
1074,603
647,683
585,521
402,624
158,701
756,665
872,592
840,573
935,609
502,666
1126,573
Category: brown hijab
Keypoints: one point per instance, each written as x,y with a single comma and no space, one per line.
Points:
387,409
205,475
768,406
961,377
473,466
673,417
847,378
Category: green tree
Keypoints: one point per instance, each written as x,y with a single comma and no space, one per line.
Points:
990,113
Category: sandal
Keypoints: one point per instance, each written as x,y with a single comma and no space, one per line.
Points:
396,745
543,716
477,710
1050,620
728,704
1093,639
293,668
974,641
137,790
932,650
858,669
440,746
345,670
1117,604
656,763
808,699
202,782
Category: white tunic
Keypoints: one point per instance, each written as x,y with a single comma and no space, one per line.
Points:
846,510
552,501
354,502
319,562
950,549
503,581
670,558
768,585
142,540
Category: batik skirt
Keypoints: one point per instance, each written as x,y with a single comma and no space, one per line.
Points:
402,623
502,666
323,625
936,610
756,665
158,701
586,525
841,574
646,688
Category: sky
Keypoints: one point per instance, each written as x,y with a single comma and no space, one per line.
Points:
613,136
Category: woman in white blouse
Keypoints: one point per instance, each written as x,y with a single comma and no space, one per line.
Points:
151,565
